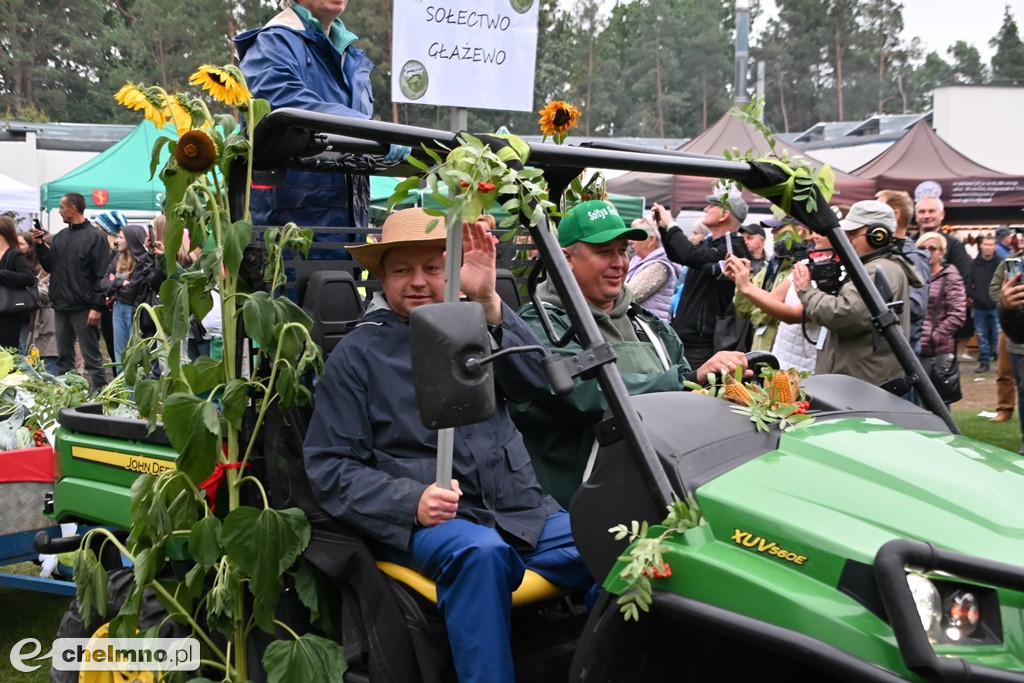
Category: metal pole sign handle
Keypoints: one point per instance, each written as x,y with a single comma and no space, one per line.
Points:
452,287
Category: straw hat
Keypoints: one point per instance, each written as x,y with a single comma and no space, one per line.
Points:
404,228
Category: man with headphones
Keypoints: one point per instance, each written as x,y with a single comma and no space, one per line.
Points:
849,343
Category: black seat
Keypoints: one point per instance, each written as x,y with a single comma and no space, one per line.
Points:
332,300
508,288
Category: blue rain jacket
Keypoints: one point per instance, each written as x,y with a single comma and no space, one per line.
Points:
290,65
369,458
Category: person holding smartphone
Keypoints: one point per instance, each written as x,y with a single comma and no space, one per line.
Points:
1008,291
707,293
77,262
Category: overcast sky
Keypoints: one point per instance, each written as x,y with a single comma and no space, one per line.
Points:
938,23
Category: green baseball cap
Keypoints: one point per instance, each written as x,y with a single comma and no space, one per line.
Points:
595,222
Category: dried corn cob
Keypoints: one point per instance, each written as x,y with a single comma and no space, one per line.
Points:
782,388
794,379
736,391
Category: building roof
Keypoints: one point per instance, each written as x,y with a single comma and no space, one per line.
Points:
825,130
881,124
72,137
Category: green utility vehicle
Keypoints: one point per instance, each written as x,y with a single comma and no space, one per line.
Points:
875,544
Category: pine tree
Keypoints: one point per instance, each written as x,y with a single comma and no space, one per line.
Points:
967,64
1008,61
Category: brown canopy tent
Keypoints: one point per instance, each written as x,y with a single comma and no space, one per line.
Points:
922,163
730,132
653,187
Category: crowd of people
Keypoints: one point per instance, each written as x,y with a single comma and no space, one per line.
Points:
675,305
87,279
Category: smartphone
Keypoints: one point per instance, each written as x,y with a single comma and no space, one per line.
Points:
1013,266
37,225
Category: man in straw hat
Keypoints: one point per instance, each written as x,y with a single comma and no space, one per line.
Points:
371,461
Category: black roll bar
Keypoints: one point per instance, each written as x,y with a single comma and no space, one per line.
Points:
891,563
568,161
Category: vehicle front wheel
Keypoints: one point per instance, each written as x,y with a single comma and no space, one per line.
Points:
76,625
614,650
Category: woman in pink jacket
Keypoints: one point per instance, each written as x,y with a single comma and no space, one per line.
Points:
947,307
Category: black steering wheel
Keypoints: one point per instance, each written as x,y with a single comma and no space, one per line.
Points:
755,359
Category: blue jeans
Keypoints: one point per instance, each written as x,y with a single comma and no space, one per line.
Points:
986,325
122,318
476,572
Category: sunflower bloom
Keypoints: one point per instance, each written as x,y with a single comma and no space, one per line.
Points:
557,118
149,101
195,151
226,84
178,114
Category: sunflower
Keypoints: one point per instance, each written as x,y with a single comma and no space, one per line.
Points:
150,101
225,83
195,151
178,114
557,118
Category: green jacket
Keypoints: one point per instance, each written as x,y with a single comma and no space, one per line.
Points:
559,430
758,318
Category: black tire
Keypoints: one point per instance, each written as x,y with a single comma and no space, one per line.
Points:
612,650
119,585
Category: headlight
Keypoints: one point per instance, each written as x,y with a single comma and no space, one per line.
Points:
953,612
961,615
928,602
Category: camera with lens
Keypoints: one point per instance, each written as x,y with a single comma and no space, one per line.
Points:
827,273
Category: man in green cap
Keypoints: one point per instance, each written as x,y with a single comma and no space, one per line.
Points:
559,430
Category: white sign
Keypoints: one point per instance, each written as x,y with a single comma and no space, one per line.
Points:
465,53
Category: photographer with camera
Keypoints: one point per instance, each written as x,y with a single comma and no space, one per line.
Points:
852,345
769,301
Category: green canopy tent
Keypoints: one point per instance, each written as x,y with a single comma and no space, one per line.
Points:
381,189
119,178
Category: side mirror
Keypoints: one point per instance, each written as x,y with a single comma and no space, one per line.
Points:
450,391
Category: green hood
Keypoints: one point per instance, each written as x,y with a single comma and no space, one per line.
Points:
825,499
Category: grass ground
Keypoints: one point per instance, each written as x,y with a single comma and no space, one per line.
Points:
1003,434
27,614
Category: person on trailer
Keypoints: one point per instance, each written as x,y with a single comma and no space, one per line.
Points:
305,57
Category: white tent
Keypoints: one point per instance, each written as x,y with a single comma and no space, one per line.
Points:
18,197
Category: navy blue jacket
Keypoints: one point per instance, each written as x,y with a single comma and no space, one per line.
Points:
291,66
369,458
